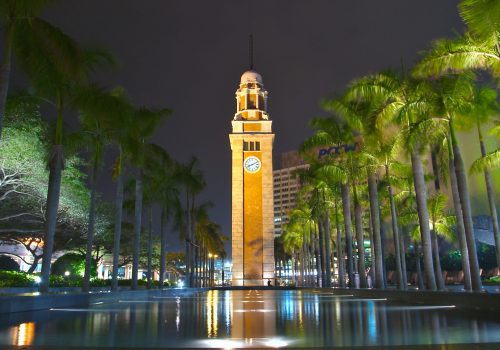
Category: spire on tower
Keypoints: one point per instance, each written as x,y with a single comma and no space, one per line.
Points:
250,51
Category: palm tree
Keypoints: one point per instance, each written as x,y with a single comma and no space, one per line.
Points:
21,23
484,107
442,225
144,156
100,112
338,170
454,97
478,48
191,178
402,102
59,84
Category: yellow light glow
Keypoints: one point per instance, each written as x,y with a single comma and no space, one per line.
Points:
24,334
212,313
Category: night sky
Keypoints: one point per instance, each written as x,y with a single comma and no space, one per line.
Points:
189,55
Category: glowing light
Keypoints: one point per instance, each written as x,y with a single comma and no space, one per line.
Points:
66,273
421,307
275,343
212,313
25,334
255,310
37,279
180,284
223,343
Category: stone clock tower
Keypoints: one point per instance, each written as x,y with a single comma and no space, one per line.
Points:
252,185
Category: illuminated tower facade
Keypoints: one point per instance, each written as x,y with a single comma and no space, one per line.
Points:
252,185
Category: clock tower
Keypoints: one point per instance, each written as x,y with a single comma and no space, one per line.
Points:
252,185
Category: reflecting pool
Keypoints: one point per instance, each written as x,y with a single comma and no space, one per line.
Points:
249,318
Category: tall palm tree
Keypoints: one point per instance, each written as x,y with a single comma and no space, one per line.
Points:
143,157
59,84
21,22
100,111
405,103
338,170
485,107
454,97
191,178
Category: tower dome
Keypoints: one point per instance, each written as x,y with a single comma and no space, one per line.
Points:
251,76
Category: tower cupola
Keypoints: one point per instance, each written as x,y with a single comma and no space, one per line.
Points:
251,98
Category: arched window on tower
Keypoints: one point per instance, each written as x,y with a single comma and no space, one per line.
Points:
262,105
252,101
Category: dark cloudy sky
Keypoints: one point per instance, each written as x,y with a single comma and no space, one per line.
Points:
188,55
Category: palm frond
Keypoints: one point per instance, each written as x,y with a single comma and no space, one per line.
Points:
448,56
490,161
481,16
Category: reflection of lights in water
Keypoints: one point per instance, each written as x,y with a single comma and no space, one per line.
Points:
299,307
24,334
245,343
228,300
420,307
367,300
223,343
212,322
178,313
316,310
372,321
275,343
255,310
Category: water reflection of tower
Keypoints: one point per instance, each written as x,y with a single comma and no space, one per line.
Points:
253,315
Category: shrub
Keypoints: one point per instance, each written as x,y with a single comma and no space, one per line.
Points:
73,263
16,279
495,279
8,264
486,256
452,261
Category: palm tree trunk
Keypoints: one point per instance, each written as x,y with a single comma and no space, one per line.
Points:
423,216
321,242
187,257
437,262
358,220
395,231
5,69
435,167
163,245
150,248
377,240
90,232
372,251
491,199
463,192
420,279
403,260
118,225
340,256
318,257
137,229
328,255
346,207
460,221
53,192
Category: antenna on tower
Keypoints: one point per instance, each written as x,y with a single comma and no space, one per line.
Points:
250,51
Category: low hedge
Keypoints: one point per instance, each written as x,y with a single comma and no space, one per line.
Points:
494,279
12,279
16,279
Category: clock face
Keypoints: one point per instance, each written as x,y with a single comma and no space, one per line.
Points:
252,164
